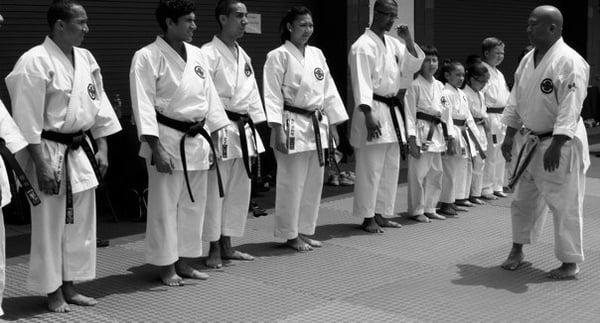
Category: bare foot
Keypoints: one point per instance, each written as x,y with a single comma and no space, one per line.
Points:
214,256
447,209
298,245
386,223
237,255
169,277
489,197
57,302
312,242
476,200
500,194
458,208
421,218
435,216
183,269
371,226
514,260
74,297
565,271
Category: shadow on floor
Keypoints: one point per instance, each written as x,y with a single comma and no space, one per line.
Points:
517,281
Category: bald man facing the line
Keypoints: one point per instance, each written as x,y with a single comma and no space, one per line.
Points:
547,97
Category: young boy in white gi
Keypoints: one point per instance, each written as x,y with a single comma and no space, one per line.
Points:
377,63
176,106
57,96
496,97
476,78
426,122
231,71
303,108
547,97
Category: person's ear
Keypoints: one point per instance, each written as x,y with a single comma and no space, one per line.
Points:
222,19
288,26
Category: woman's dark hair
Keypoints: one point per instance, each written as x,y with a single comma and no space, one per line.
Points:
60,10
476,71
429,50
172,9
289,18
448,66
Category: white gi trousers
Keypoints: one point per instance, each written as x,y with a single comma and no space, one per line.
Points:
454,180
298,194
376,184
477,176
493,172
174,224
227,215
424,182
2,260
561,192
62,252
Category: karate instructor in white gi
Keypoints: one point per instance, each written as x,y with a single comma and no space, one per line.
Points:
547,97
58,99
378,63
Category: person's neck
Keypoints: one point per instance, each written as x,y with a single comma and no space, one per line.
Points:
64,46
472,88
176,44
301,47
428,77
380,32
228,40
490,63
542,49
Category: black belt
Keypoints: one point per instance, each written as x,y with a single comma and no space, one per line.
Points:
73,141
241,120
434,121
479,121
495,110
392,103
190,129
316,118
13,166
519,169
466,133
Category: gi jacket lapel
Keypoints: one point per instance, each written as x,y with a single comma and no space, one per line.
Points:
311,74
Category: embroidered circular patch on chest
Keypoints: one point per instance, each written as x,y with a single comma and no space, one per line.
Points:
199,70
247,70
444,101
92,91
547,86
319,74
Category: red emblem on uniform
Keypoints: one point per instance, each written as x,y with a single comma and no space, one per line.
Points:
92,91
199,70
547,86
319,74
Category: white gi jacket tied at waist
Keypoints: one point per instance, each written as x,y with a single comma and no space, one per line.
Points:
304,82
548,98
378,68
54,95
235,82
496,95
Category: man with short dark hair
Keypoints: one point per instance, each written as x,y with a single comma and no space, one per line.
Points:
58,98
176,107
231,70
377,63
550,87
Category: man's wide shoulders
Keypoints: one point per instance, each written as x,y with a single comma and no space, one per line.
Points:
364,45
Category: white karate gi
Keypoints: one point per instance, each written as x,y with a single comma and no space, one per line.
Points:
425,173
235,82
49,93
548,98
161,81
303,82
377,68
14,142
496,96
478,111
456,182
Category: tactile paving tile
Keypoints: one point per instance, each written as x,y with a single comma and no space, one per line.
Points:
329,272
337,311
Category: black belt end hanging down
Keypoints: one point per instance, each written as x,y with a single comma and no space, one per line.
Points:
316,118
12,166
392,103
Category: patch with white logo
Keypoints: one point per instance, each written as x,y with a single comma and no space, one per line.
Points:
247,70
319,74
199,70
547,86
92,91
444,101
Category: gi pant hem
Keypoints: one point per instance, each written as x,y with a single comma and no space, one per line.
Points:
285,235
570,258
233,232
161,261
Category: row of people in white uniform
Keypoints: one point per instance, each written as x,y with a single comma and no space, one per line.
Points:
452,134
